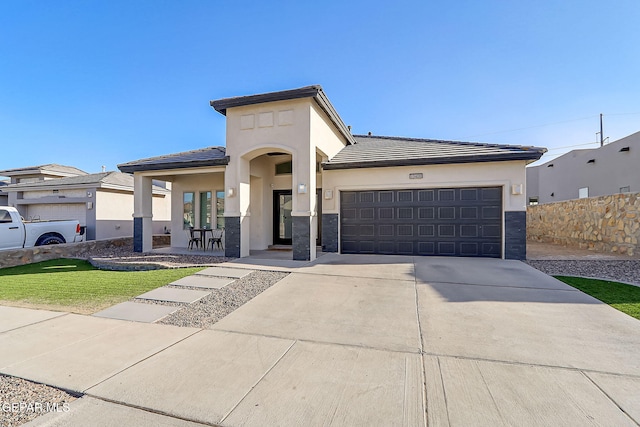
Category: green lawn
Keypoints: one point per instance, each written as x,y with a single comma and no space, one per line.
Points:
625,298
75,285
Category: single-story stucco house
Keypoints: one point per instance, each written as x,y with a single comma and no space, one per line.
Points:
293,174
101,202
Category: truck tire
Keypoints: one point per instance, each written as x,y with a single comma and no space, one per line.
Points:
50,239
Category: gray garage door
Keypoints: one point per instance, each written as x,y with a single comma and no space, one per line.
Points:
440,221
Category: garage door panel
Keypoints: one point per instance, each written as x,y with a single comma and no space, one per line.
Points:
426,213
385,196
491,212
58,211
447,213
469,249
385,213
426,195
493,194
442,221
405,213
405,196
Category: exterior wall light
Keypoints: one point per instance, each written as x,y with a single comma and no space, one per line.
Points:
302,188
231,191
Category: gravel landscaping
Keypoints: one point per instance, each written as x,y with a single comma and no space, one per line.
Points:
625,271
213,307
118,258
22,401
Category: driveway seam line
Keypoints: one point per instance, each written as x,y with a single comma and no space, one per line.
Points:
141,360
511,362
420,343
444,391
258,382
63,314
609,397
493,399
417,351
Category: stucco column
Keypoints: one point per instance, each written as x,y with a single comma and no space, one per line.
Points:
304,216
142,214
236,208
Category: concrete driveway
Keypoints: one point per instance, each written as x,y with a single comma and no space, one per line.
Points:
361,340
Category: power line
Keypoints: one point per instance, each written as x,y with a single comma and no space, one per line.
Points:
530,127
571,146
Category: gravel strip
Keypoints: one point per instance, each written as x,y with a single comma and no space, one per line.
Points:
22,401
617,270
212,308
125,259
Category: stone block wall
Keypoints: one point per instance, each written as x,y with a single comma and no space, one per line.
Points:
14,257
603,224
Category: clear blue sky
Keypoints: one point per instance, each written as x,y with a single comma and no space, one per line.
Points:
92,83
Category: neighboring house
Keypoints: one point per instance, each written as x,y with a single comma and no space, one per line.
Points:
292,173
102,202
610,169
4,198
40,173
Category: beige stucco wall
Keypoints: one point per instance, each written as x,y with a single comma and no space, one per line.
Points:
296,127
488,174
324,135
190,183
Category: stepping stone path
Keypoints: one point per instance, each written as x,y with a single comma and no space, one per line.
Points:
153,309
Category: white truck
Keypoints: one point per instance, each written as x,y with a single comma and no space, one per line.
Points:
16,233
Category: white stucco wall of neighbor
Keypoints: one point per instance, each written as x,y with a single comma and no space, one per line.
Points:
113,214
488,174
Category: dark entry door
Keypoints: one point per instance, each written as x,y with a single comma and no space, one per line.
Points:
436,221
282,223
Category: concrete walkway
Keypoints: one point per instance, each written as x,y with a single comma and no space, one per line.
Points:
351,340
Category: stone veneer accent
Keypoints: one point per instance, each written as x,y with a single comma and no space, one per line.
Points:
329,232
137,234
604,224
13,257
301,238
232,237
515,239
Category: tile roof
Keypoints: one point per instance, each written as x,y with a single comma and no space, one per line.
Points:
210,156
52,167
102,179
380,151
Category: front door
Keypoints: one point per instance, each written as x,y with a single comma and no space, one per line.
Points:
282,225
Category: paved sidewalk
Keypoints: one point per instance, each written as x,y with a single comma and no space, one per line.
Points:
352,340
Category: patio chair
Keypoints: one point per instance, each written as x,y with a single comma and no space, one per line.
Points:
195,237
216,238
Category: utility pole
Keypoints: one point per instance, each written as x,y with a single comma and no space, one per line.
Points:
601,134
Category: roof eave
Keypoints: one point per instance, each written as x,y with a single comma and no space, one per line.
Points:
131,168
221,105
436,161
